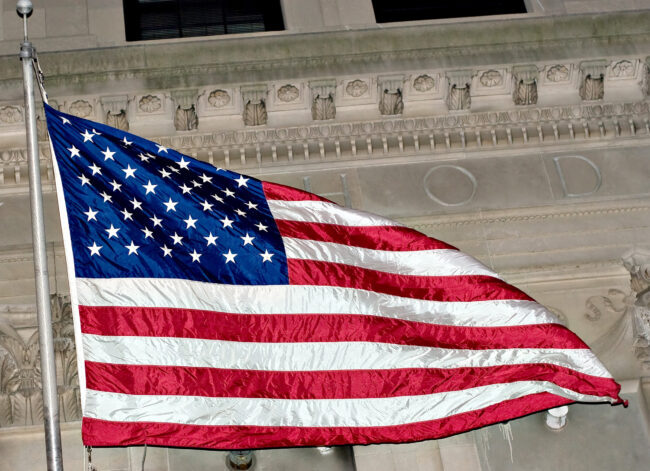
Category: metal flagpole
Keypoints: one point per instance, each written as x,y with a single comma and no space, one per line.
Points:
45,337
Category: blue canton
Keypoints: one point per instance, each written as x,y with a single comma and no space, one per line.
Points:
137,209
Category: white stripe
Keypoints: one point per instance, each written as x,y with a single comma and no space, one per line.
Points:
320,356
440,262
282,299
225,411
329,213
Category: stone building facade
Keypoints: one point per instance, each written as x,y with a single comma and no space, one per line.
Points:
522,139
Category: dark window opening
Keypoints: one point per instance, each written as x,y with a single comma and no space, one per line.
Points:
387,11
162,19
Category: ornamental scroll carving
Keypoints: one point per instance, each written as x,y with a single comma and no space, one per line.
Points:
254,97
21,402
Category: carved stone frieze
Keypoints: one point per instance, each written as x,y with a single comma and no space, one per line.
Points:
322,104
525,91
458,95
20,376
115,108
185,116
623,68
390,88
592,86
254,98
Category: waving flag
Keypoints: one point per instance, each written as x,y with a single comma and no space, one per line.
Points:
215,310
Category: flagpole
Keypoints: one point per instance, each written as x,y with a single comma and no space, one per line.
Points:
24,8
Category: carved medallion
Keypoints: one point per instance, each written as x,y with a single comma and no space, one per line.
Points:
150,103
356,88
623,69
491,78
219,98
288,93
558,73
423,83
81,108
10,115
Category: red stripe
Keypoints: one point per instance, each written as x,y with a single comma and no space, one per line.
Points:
434,288
275,328
275,191
370,237
357,384
105,433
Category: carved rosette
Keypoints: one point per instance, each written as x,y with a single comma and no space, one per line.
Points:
219,98
356,88
623,69
557,73
150,104
423,83
81,108
491,78
10,115
288,93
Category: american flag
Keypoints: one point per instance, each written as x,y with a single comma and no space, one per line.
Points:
215,310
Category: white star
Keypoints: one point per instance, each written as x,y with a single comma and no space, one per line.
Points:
130,172
150,188
171,205
94,249
167,251
185,188
116,186
195,256
74,152
106,197
251,205
126,142
108,154
161,148
241,181
136,204
226,222
211,239
112,231
133,249
95,132
190,222
240,212
177,239
248,240
65,120
95,169
87,136
261,227
127,215
173,169
156,221
147,233
218,198
196,184
206,206
143,157
206,179
84,180
165,173
230,257
183,163
228,192
266,256
91,214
